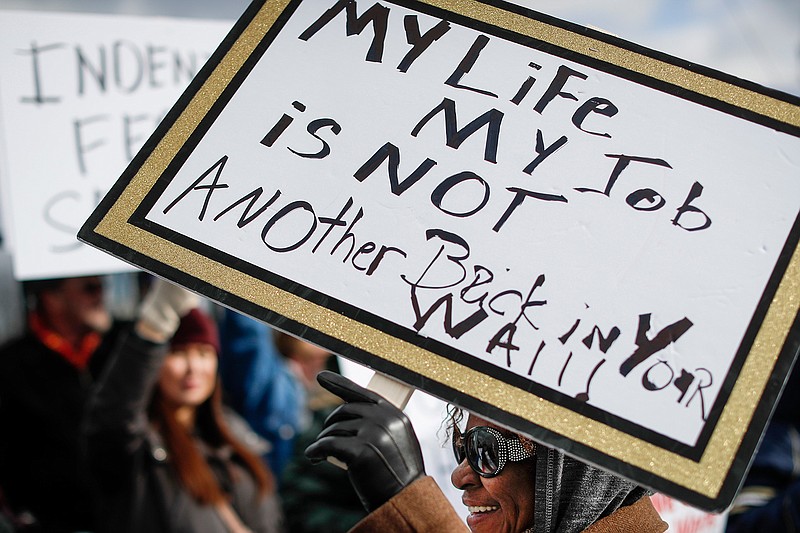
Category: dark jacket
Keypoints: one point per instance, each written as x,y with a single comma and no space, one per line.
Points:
318,498
770,497
137,489
42,399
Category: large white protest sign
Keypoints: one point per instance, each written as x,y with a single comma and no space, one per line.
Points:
577,237
79,95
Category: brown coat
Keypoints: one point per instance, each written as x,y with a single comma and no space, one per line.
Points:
422,508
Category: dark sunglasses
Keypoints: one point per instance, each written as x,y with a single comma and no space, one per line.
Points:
487,450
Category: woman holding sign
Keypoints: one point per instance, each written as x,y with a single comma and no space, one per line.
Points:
165,455
510,484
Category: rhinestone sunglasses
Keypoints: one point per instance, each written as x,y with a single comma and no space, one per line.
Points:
487,450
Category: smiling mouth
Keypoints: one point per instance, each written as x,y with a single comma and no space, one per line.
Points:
482,508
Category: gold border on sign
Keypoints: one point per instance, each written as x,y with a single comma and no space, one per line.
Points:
704,477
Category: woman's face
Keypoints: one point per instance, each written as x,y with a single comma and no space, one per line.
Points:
188,375
503,503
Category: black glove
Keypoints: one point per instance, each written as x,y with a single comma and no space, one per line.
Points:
372,437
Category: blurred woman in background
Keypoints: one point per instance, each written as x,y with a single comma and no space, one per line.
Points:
165,455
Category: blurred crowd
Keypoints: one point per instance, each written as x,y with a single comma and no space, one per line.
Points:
187,416
184,417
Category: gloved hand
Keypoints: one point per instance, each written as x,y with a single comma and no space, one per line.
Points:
372,437
164,305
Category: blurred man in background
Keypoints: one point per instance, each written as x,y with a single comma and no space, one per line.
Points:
45,380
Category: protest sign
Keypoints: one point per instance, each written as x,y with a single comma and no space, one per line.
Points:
585,240
79,95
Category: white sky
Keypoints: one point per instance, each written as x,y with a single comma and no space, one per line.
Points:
758,40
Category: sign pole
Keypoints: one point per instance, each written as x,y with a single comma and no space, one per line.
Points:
396,392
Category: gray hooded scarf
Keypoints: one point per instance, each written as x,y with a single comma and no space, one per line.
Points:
571,495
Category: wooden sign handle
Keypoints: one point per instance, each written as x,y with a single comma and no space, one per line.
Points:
396,392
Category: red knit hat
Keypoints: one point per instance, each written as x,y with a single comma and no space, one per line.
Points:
196,327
